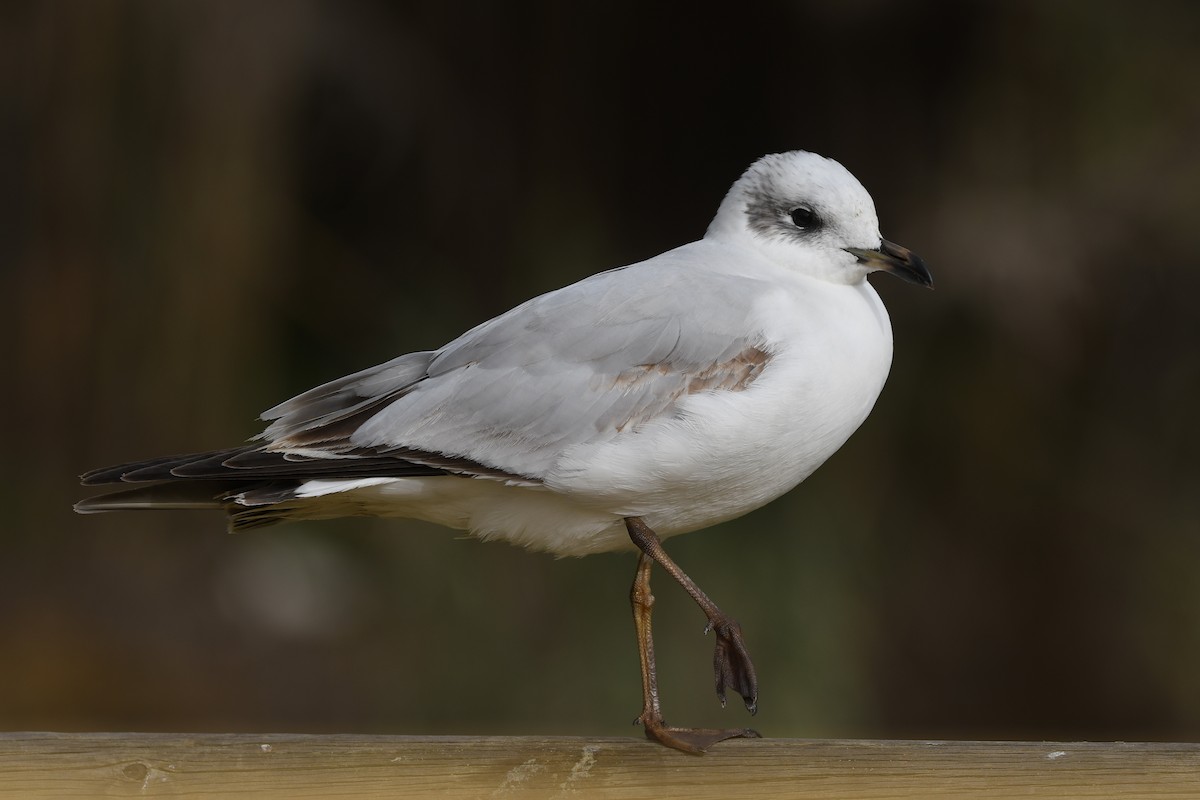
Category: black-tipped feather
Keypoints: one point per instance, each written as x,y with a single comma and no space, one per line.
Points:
177,495
253,464
117,472
253,505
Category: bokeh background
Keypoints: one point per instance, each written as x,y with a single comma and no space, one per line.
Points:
206,207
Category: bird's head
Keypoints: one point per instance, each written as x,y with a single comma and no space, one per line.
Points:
809,214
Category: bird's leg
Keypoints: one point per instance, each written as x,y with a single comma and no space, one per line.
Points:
731,663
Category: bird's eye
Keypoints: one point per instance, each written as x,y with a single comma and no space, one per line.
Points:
804,217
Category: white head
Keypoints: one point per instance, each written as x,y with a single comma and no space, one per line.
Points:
808,213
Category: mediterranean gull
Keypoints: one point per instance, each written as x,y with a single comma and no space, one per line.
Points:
637,404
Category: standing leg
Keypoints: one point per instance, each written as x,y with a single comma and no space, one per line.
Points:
731,662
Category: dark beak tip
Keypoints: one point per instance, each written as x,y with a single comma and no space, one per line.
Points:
923,277
896,260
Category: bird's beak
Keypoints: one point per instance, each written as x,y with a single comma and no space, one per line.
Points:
900,261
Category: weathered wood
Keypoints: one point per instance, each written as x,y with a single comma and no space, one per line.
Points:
34,765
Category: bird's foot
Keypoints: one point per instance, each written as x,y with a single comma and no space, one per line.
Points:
690,740
732,666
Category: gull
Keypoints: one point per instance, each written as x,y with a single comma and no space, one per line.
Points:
640,403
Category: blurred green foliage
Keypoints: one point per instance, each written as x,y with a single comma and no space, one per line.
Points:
210,206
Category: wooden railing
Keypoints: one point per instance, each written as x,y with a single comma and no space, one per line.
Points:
65,765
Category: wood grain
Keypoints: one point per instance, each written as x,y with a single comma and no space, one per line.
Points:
36,765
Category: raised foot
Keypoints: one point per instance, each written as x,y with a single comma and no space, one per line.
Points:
732,666
694,740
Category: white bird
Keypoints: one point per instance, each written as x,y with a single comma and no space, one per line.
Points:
637,404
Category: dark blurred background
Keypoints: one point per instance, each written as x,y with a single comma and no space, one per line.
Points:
206,207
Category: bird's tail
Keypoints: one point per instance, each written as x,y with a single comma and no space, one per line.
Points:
256,487
167,496
248,504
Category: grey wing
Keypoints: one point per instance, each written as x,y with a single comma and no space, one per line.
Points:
588,362
329,413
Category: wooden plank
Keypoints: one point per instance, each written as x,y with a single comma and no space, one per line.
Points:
36,765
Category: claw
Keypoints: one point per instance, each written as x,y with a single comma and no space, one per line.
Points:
692,740
732,667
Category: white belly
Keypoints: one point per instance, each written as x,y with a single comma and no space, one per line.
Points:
727,453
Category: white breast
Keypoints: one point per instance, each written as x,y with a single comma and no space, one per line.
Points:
727,453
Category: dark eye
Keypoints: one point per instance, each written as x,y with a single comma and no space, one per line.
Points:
804,217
